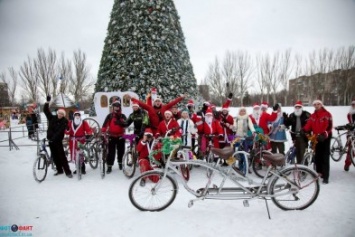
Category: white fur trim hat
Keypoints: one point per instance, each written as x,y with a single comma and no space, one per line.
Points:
168,112
317,102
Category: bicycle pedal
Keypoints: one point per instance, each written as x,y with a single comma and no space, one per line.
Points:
246,203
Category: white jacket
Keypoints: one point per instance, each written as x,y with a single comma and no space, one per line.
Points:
241,125
188,129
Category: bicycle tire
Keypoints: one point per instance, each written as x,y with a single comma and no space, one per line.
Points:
93,157
103,163
94,125
128,164
260,166
209,159
307,159
147,198
78,166
305,195
40,168
185,171
336,151
352,152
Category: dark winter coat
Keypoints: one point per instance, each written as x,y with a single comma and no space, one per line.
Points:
56,126
140,121
291,120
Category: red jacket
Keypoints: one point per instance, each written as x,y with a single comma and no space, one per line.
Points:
111,124
165,126
320,121
215,128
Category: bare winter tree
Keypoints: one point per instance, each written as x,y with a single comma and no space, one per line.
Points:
244,71
261,78
269,66
80,83
229,72
11,84
30,80
215,81
284,71
45,65
65,73
346,63
297,73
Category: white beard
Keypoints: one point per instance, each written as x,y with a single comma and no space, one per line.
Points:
77,121
298,112
256,114
352,110
209,120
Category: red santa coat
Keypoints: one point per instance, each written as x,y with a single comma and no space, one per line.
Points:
265,120
164,107
227,122
144,149
213,129
77,135
165,126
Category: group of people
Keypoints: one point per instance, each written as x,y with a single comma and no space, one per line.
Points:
152,118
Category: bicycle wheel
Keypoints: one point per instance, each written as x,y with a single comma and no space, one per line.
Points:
336,150
102,162
149,192
93,156
299,197
185,172
128,164
209,159
40,167
260,166
352,152
94,125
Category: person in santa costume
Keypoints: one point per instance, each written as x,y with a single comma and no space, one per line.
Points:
265,118
191,109
77,130
211,126
156,109
351,119
169,126
277,131
187,128
296,121
176,112
321,124
255,115
144,148
227,122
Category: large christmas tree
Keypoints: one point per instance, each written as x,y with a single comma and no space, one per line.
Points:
145,48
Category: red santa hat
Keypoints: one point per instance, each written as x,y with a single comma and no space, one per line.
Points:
317,101
209,111
135,103
225,108
168,112
190,102
256,106
148,131
353,102
299,103
264,105
61,111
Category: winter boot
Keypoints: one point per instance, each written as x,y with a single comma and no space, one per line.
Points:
109,169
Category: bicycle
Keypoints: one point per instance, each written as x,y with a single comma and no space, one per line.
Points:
286,188
130,157
337,150
43,161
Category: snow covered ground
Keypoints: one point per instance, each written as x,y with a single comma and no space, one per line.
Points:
60,206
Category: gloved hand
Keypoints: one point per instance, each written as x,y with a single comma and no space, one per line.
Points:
230,95
276,107
49,98
321,137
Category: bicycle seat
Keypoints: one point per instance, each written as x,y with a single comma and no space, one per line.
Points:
223,153
276,159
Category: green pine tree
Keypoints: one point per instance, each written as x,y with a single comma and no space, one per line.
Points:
145,48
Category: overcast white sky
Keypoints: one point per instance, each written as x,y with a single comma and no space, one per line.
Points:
210,27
